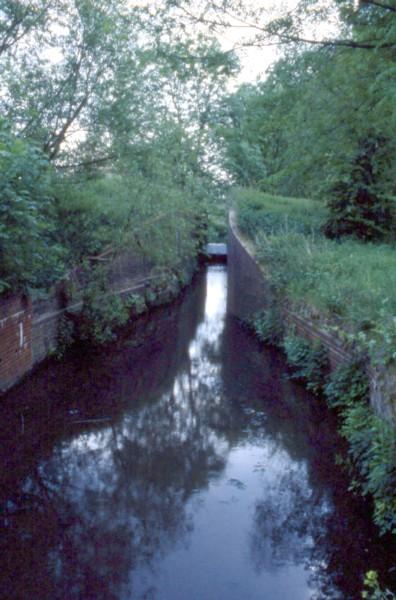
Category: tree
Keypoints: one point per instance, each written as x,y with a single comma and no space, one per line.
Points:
357,206
310,127
120,106
65,69
29,253
18,19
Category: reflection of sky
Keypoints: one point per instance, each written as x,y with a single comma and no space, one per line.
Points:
209,331
200,518
216,295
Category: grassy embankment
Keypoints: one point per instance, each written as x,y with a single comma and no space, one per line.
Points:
350,288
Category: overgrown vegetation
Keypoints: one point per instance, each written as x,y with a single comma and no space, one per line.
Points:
352,285
30,255
372,443
269,326
105,141
309,361
103,312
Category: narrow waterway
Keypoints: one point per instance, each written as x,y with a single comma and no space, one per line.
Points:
180,465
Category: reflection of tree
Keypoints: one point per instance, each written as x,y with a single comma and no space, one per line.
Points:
291,527
281,533
298,525
104,503
305,515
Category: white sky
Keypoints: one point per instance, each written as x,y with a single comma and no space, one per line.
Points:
255,61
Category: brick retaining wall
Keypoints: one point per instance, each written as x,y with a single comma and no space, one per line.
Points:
15,339
29,329
248,292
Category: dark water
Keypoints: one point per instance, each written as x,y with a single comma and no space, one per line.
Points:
181,465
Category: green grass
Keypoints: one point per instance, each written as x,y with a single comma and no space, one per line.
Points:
351,283
263,213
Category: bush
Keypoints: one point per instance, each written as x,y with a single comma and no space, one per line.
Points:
268,326
347,385
65,336
309,362
372,447
136,304
372,443
103,312
30,256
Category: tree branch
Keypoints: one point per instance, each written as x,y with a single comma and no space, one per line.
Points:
53,146
368,45
285,38
88,163
379,4
11,36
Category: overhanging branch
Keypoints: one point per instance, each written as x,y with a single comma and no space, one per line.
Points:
379,5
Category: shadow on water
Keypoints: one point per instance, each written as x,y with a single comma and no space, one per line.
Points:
179,465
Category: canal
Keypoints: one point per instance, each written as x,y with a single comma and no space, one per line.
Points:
181,464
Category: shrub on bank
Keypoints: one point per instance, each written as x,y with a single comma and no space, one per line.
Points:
104,312
372,441
309,362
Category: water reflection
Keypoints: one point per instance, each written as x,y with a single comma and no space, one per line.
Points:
185,468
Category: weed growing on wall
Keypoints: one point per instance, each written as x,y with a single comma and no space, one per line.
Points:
373,450
165,285
308,361
372,443
372,589
103,311
136,304
101,316
268,326
65,336
347,385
